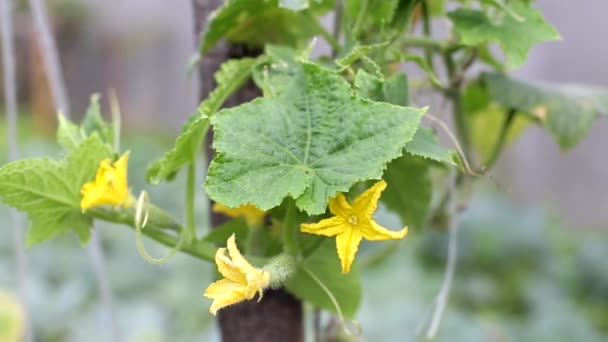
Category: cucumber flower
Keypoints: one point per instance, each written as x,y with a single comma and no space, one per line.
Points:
109,186
352,223
241,280
253,216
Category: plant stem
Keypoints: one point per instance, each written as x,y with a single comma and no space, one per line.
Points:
455,94
359,21
255,239
444,292
154,229
425,42
337,25
190,233
335,46
502,138
290,231
426,29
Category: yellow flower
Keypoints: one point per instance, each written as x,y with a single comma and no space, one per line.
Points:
252,215
12,318
109,187
352,223
241,280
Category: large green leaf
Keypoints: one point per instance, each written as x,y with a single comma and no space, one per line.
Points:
567,111
395,90
409,189
313,140
324,265
261,22
515,35
49,190
229,79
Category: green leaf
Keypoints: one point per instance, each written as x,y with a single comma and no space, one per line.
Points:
376,20
69,134
515,37
394,90
93,123
487,124
409,189
261,22
220,235
567,111
421,62
49,190
324,264
229,79
426,145
186,147
359,52
313,140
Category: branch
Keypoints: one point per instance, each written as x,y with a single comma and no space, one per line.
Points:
10,100
442,296
156,227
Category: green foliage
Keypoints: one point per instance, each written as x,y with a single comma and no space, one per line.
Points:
324,264
48,190
309,143
220,235
70,135
515,35
186,147
409,190
567,111
393,90
361,52
262,22
425,145
229,78
366,20
93,123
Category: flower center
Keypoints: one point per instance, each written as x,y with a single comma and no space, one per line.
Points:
353,219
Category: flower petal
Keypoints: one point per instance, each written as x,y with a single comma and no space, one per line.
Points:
225,292
347,244
327,227
237,258
227,268
252,215
121,184
375,232
109,186
339,206
367,202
